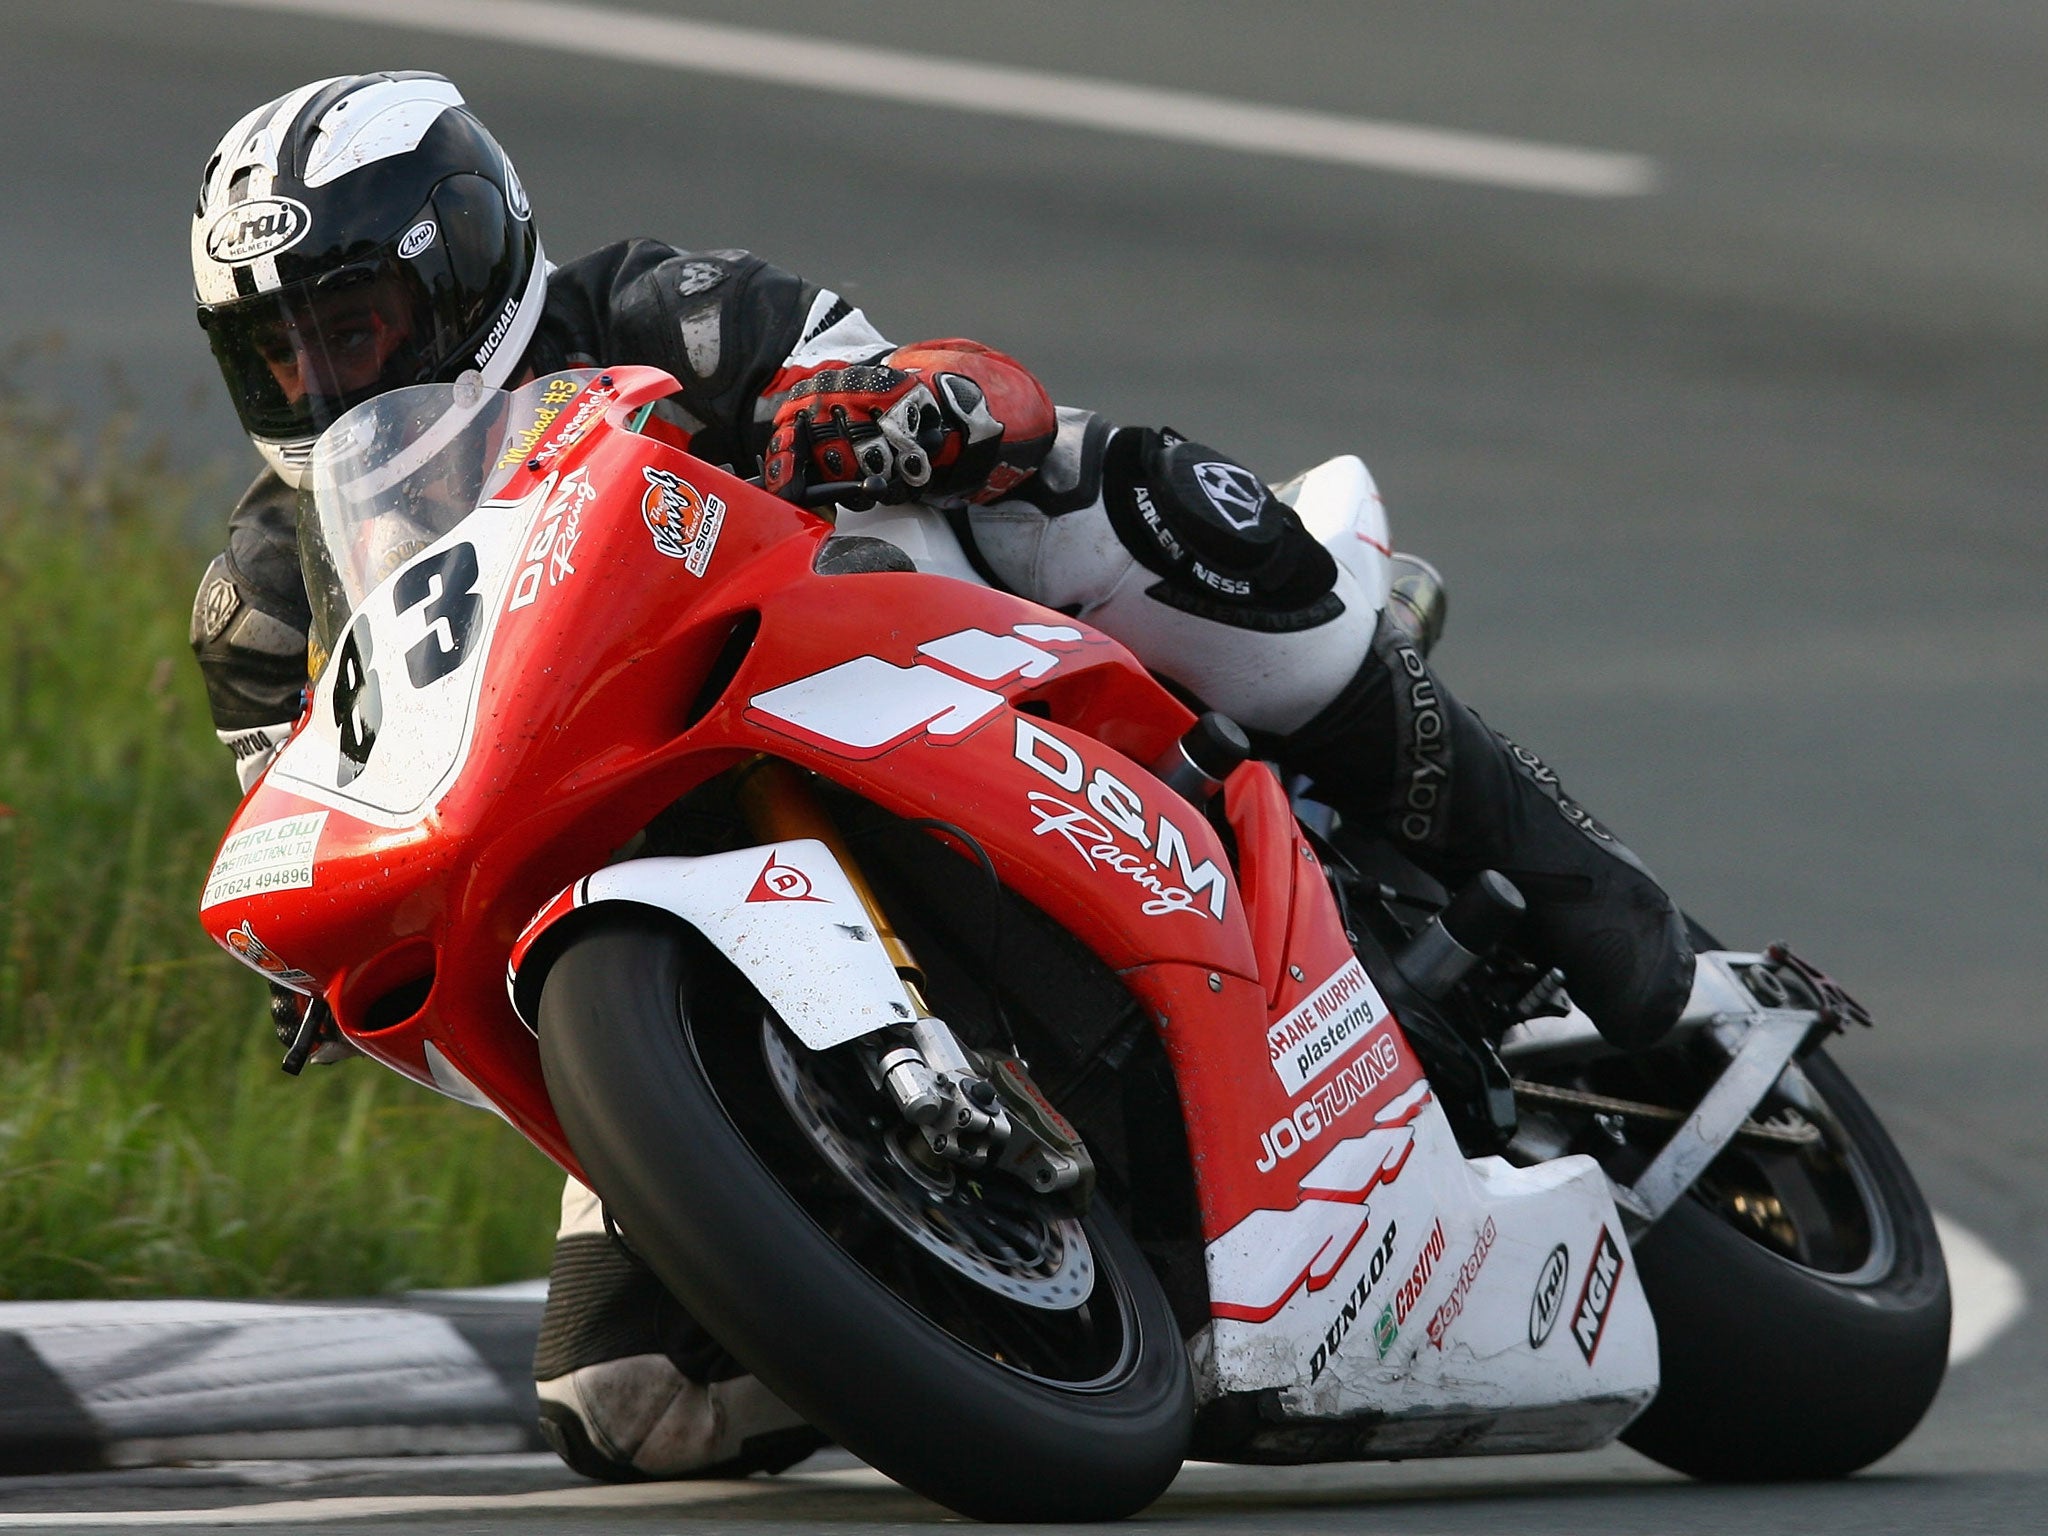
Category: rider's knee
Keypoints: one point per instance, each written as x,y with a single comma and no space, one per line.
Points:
1223,545
1189,559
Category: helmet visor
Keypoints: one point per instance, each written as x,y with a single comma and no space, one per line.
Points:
300,357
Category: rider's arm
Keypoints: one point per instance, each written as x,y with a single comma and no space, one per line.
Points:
249,623
727,324
755,347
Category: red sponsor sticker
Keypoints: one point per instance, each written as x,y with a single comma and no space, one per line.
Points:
781,882
1596,1297
1418,1277
243,944
683,520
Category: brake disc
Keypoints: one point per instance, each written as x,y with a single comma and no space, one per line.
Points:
1013,1247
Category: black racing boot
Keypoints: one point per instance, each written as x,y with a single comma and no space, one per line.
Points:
631,1386
1396,751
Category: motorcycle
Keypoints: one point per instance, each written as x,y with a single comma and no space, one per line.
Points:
991,1053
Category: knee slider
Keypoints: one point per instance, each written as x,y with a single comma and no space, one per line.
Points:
1224,545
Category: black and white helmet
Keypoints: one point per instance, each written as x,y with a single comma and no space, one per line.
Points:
360,234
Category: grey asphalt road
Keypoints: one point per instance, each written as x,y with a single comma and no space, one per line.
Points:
1739,486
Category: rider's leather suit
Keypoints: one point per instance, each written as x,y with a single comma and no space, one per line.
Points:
1205,576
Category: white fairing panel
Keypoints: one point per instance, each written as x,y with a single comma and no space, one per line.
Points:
451,1080
1444,1305
1338,503
423,728
787,916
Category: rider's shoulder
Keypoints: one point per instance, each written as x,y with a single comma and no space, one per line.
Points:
643,261
267,502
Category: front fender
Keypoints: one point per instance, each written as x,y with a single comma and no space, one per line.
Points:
784,913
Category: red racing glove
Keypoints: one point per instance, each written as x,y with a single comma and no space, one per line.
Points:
941,421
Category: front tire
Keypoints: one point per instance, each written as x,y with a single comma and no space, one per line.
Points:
653,1053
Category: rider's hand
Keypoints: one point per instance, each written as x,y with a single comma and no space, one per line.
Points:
940,421
844,424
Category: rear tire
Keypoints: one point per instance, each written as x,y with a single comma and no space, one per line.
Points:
1777,1369
652,1048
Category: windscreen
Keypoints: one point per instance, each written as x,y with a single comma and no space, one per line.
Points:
398,471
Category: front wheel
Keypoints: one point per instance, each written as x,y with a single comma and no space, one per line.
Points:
971,1340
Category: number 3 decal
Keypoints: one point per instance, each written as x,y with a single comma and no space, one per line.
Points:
446,583
358,702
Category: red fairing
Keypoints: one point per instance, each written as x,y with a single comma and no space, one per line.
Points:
646,622
1329,1057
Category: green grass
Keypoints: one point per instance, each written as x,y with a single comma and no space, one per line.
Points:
149,1144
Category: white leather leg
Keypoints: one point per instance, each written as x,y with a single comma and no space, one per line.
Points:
643,1413
582,1211
639,1410
1264,681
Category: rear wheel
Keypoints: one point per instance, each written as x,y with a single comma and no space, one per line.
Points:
974,1341
1801,1300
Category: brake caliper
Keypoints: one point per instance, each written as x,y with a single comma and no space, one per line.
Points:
975,1112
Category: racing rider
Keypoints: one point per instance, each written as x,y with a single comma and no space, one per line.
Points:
365,233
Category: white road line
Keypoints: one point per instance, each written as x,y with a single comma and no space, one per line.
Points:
1988,1293
853,69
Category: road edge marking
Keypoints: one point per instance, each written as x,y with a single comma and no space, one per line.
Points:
1987,1293
856,69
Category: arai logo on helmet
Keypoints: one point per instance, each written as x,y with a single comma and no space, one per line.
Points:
417,239
262,226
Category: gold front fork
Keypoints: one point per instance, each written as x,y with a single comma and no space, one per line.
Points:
967,1111
780,806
